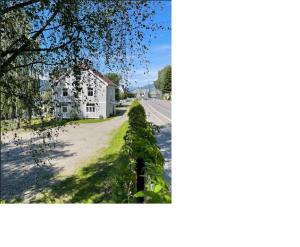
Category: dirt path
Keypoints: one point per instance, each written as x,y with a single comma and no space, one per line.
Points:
74,147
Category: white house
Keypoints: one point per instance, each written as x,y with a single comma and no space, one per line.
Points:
95,99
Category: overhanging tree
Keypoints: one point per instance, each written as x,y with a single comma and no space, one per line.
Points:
70,30
116,79
62,33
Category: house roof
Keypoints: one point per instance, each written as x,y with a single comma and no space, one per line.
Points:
104,78
97,73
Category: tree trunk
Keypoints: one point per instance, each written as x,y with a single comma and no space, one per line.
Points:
18,122
140,179
29,111
13,110
18,118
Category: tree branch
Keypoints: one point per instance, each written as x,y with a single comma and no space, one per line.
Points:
18,5
27,43
9,93
49,49
33,63
47,29
9,50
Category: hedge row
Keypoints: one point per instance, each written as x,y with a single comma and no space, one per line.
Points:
146,160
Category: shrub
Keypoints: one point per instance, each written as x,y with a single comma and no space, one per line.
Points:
74,114
146,159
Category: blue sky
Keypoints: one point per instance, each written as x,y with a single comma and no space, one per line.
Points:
159,53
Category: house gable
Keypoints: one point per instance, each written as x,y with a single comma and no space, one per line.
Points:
96,99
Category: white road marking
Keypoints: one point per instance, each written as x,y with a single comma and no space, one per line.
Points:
162,122
159,113
161,106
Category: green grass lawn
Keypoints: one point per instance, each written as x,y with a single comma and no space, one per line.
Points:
95,182
56,123
7,125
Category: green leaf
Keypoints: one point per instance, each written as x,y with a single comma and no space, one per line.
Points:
139,194
157,188
168,198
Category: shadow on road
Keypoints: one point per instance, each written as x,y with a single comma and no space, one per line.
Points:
27,169
95,183
164,141
92,185
120,111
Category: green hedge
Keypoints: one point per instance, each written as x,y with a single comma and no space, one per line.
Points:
140,143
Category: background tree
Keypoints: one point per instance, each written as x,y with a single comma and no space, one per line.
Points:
164,80
167,87
159,82
19,86
46,98
116,79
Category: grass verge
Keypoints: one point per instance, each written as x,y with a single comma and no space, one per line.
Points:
93,183
8,125
56,123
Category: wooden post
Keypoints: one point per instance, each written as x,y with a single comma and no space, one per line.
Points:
0,144
140,179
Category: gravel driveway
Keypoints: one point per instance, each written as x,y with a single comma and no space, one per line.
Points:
72,149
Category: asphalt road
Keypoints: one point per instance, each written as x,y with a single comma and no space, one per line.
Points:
159,113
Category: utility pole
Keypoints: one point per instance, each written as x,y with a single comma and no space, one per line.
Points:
0,144
140,178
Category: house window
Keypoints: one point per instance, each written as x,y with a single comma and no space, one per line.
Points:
65,92
90,91
90,107
64,107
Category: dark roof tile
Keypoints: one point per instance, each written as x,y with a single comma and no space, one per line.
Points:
96,72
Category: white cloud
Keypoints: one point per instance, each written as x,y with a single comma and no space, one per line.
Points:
163,47
142,77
